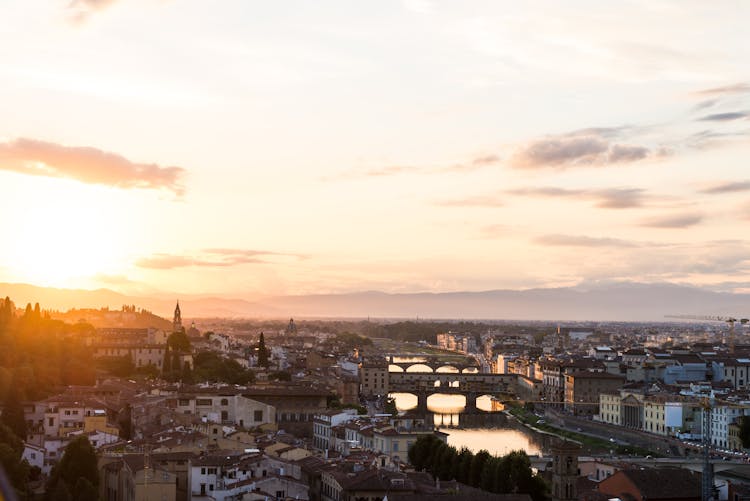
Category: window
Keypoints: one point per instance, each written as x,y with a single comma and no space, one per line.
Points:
203,471
258,416
212,471
224,402
205,402
184,402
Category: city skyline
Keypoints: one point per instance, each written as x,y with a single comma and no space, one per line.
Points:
420,146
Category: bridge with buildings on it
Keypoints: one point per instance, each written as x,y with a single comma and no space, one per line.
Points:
470,385
434,362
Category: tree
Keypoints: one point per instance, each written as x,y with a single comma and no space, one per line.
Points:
13,412
390,406
125,422
477,465
78,461
187,373
167,364
15,468
463,463
85,491
744,422
487,476
59,492
179,341
262,352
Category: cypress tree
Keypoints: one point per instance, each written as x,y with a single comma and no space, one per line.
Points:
262,352
167,364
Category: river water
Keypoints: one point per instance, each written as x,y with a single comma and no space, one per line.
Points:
492,432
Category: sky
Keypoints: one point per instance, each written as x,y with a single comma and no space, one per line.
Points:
247,148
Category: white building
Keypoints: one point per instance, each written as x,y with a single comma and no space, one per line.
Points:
324,423
722,415
226,408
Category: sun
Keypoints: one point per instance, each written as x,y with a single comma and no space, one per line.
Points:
64,241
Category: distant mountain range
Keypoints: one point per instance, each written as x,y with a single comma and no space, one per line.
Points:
624,301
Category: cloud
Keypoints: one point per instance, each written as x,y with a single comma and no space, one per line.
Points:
728,187
209,258
619,198
472,164
605,198
81,10
725,117
583,241
474,201
738,88
585,147
679,221
86,164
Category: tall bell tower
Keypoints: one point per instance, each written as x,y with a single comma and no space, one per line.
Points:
565,471
177,321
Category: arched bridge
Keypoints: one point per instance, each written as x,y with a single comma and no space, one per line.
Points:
435,363
424,384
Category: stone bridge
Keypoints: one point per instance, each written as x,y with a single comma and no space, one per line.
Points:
471,385
435,363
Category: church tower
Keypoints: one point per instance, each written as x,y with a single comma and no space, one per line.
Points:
291,328
177,322
565,471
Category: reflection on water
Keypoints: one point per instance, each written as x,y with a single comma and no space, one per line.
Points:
444,404
447,414
497,441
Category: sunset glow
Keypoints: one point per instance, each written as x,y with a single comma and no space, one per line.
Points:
292,148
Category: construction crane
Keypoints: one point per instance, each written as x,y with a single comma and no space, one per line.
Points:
709,318
707,479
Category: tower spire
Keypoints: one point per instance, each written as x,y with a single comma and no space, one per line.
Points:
177,321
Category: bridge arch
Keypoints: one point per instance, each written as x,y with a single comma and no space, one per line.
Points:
419,367
448,369
395,368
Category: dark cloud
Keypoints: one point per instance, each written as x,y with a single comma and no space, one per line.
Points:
583,241
678,221
620,153
209,258
619,198
729,187
584,147
607,198
86,164
708,103
725,117
738,88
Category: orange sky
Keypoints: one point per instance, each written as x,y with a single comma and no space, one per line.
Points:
244,148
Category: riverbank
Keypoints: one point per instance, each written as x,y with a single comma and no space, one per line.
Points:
587,441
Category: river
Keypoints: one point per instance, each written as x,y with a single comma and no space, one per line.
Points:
495,432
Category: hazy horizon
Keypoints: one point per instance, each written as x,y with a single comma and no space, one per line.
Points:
272,149
617,302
